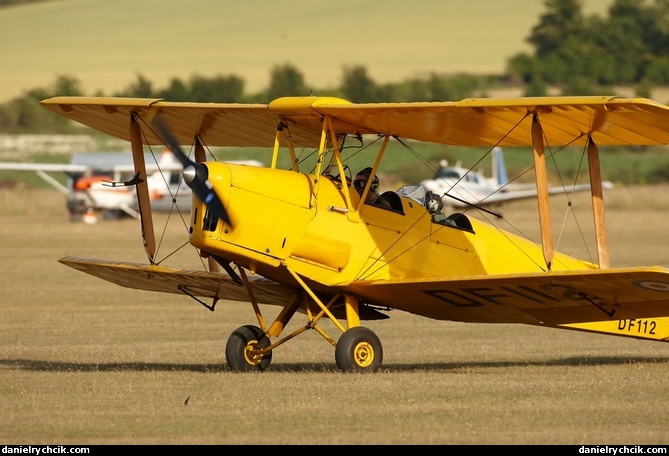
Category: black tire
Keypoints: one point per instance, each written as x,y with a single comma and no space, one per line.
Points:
359,350
236,353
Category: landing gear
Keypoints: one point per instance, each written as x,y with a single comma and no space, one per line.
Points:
239,349
359,350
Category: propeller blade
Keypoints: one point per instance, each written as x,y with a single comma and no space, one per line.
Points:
195,175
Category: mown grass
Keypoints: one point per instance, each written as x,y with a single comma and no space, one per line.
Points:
86,362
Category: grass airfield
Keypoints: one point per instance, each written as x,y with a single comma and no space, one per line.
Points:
85,362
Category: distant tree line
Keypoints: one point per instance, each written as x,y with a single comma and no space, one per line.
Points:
576,54
286,80
581,54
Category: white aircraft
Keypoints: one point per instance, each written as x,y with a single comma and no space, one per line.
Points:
462,187
107,182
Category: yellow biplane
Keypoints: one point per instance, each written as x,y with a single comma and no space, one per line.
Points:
306,240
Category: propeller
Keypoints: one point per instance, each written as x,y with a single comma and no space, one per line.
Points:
195,175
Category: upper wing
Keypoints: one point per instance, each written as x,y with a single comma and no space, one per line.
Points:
484,122
631,301
218,124
488,122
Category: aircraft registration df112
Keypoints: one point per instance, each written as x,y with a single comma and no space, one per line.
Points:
305,239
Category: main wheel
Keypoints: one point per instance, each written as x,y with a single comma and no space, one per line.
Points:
237,350
359,350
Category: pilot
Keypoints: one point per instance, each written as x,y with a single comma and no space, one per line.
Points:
373,196
434,207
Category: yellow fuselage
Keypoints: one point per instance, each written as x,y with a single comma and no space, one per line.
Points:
284,218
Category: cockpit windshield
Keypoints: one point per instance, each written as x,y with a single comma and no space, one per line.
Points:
415,192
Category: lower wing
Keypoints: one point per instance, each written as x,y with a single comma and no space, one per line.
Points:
179,281
193,283
627,302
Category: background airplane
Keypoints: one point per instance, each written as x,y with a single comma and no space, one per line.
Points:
104,182
462,187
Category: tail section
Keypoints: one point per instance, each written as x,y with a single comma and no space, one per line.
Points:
499,168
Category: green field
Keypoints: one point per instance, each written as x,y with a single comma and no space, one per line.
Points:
106,44
84,362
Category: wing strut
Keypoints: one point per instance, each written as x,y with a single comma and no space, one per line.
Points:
321,155
323,307
541,178
200,154
598,204
143,200
283,130
336,152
